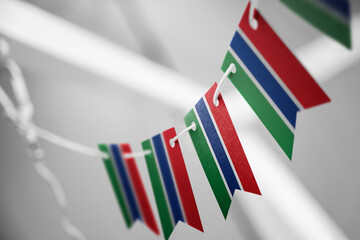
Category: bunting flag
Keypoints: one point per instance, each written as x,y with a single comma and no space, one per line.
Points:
219,149
271,79
128,186
330,16
171,185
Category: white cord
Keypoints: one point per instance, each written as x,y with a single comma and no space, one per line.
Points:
22,118
9,108
60,199
231,69
137,154
65,143
12,113
20,90
252,21
172,140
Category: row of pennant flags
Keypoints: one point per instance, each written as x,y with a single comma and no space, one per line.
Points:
274,84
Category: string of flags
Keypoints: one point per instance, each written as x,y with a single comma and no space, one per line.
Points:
275,85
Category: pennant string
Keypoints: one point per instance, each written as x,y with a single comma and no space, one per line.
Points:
22,118
65,143
231,69
12,113
191,127
60,198
26,109
9,109
137,154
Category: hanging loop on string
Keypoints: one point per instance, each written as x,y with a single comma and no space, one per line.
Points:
252,21
191,127
231,69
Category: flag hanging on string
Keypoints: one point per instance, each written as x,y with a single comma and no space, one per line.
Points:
128,186
330,16
220,151
271,79
171,185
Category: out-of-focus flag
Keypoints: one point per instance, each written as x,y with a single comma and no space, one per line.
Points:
128,186
330,16
219,149
171,185
271,79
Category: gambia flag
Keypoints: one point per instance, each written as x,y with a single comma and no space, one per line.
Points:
171,185
271,79
128,186
219,149
330,16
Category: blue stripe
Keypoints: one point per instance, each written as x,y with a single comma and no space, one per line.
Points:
265,78
167,178
119,162
217,146
342,7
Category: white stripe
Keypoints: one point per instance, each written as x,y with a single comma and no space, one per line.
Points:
173,177
162,182
271,70
212,152
112,158
223,144
277,110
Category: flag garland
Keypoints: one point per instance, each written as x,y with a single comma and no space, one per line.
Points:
128,186
219,149
271,79
170,182
275,85
330,16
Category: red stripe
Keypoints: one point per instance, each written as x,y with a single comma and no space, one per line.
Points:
141,196
182,181
232,142
284,63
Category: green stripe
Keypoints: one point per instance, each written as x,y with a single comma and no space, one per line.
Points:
115,184
321,18
160,198
208,163
272,121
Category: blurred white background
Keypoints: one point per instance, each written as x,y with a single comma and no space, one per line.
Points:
123,71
